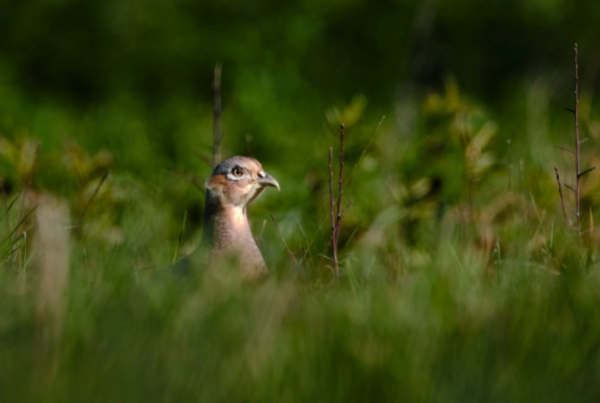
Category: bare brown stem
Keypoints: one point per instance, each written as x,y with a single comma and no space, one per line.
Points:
587,171
249,148
341,186
331,198
336,223
576,152
562,201
566,149
217,135
577,143
332,209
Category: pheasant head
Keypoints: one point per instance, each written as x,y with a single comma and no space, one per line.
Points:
234,184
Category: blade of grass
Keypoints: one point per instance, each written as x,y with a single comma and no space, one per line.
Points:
365,149
180,237
92,198
18,225
7,210
4,201
28,184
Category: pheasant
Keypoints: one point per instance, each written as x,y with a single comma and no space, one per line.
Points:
234,184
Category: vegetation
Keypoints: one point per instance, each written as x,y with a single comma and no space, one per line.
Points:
460,278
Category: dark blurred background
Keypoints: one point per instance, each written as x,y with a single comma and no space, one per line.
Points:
284,55
88,52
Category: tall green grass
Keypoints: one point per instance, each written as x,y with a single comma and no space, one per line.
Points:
461,281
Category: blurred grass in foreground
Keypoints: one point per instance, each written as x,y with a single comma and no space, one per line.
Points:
454,330
461,282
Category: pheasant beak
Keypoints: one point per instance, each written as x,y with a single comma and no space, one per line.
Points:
264,180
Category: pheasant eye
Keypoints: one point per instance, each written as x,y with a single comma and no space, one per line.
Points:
237,171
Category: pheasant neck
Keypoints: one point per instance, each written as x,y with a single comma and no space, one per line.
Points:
227,233
225,226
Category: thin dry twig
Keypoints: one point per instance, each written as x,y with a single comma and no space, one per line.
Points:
331,198
332,202
587,171
249,147
577,140
217,110
336,268
562,201
341,186
566,149
576,152
577,144
336,224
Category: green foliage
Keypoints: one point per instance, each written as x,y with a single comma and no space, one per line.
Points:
486,296
461,281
